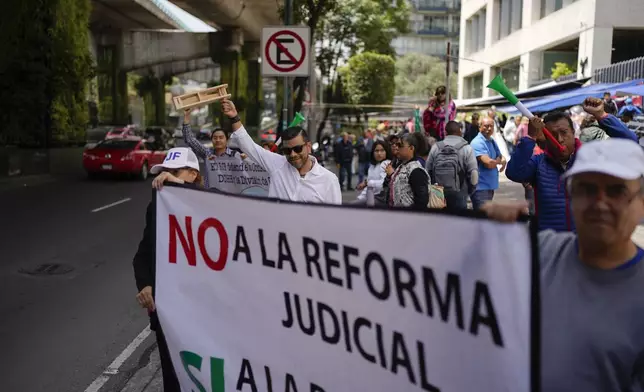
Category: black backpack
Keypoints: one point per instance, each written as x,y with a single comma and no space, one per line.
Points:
446,168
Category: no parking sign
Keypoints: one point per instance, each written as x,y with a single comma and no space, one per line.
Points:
286,51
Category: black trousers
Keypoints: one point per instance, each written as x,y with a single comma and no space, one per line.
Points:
170,381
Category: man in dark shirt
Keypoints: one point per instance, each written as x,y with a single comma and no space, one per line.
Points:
344,158
472,128
609,105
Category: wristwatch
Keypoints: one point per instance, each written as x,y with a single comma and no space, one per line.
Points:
235,119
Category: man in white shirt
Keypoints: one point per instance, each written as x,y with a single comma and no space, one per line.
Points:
296,175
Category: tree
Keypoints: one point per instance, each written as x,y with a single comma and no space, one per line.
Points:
45,69
369,79
562,69
418,75
347,27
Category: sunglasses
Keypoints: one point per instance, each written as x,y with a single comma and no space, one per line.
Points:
288,150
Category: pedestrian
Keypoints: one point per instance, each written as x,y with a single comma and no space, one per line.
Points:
472,128
436,114
409,183
544,171
510,132
219,139
452,165
295,175
344,160
364,146
629,109
182,167
489,157
591,282
380,158
609,105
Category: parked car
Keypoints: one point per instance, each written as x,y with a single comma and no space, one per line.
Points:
122,132
205,132
133,156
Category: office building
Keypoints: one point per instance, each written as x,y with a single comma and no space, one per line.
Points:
432,24
523,39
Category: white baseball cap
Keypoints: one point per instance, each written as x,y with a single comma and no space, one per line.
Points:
177,158
621,158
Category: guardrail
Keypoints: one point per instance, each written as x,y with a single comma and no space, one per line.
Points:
620,72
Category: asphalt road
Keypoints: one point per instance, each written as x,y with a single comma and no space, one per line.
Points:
59,332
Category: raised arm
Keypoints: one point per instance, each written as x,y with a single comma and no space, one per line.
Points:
199,149
268,160
609,123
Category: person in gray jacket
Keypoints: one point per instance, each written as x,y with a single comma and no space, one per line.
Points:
592,307
452,164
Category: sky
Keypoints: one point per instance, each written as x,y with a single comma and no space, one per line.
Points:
192,23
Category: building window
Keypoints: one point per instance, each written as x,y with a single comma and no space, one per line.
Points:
510,17
473,86
550,6
510,72
432,25
475,32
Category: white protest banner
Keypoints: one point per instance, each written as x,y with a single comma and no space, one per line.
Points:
237,176
255,295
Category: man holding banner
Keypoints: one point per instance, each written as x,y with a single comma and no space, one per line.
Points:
296,175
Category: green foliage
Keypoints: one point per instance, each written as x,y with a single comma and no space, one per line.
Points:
72,67
44,71
360,26
418,75
562,69
369,79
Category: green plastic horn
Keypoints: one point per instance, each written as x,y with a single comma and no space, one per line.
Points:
497,84
299,119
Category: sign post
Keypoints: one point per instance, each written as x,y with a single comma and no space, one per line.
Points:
286,53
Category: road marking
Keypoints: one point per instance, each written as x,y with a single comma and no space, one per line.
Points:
113,367
111,205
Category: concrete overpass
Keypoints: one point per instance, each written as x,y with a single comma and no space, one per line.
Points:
138,36
249,16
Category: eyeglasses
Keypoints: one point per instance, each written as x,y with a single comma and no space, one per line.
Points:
616,194
288,150
400,145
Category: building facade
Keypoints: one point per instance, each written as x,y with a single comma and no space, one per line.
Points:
432,23
523,39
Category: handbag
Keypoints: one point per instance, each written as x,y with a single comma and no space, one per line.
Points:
436,197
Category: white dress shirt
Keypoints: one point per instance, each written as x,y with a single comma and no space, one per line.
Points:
319,185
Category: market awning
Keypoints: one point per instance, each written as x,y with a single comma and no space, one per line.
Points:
531,93
636,90
572,98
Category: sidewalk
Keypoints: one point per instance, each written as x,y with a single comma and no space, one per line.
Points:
16,182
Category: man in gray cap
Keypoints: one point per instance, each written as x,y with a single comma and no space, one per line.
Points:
592,307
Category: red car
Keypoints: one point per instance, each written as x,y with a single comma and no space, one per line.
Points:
121,133
131,156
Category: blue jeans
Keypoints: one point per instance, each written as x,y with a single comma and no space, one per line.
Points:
480,197
456,200
363,169
345,172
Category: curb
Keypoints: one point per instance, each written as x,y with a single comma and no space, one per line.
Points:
148,378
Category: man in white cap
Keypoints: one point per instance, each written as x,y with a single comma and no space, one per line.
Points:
592,307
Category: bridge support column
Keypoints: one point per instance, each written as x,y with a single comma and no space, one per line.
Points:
112,83
154,100
254,86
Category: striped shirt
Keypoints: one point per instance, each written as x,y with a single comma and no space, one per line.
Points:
203,152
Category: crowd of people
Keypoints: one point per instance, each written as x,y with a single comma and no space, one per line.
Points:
587,200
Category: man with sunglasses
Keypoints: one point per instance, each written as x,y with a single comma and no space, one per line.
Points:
592,310
295,173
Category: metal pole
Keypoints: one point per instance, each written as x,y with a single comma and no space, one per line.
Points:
288,19
447,72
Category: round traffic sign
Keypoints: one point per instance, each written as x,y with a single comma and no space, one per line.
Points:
296,62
